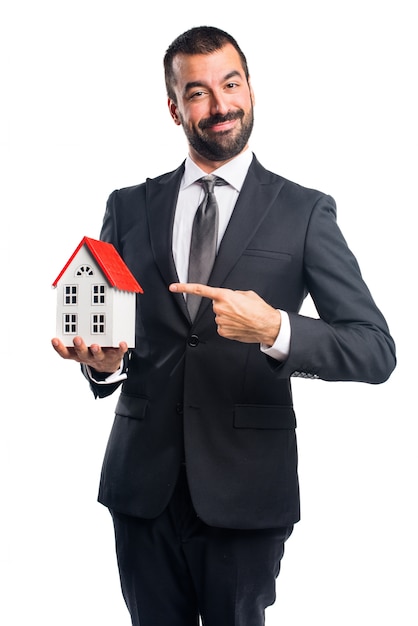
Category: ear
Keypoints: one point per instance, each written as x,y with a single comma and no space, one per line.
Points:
172,107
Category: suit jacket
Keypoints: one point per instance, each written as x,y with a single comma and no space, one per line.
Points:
222,406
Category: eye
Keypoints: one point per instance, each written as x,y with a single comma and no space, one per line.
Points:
196,94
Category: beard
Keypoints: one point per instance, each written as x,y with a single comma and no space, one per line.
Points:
224,145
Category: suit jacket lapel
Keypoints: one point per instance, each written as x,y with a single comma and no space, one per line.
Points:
257,195
162,196
255,200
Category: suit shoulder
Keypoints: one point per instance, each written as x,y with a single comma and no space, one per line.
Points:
289,186
300,198
138,191
309,197
132,190
295,188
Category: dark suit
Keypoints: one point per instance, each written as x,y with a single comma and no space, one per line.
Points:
223,405
200,472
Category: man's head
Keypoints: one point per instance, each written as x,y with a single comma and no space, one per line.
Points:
199,40
209,94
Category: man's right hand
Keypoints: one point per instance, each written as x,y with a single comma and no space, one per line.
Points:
100,359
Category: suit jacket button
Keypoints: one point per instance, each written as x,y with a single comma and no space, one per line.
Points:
179,408
193,341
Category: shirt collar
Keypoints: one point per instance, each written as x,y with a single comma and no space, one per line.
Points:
234,172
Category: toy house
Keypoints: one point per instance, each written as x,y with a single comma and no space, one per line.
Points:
96,296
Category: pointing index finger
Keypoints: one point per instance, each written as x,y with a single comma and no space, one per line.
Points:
197,289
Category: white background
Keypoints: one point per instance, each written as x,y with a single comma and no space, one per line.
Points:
84,112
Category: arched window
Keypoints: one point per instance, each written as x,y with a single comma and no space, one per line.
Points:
84,270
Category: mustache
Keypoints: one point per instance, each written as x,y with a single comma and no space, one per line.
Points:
218,119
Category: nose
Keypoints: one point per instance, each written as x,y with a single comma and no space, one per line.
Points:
219,104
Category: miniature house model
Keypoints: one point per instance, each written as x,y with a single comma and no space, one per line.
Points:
96,296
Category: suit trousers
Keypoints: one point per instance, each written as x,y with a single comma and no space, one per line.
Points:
175,569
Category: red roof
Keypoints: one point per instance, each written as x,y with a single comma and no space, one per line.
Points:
110,262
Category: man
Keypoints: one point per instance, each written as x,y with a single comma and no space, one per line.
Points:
200,472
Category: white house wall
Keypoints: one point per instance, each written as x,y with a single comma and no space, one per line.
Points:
124,307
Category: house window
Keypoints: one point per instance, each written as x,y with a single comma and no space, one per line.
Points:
70,323
98,294
84,270
70,294
98,326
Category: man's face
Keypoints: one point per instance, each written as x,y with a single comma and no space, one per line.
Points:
214,104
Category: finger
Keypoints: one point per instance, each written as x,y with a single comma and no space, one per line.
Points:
114,353
100,354
81,350
96,352
63,351
123,347
205,291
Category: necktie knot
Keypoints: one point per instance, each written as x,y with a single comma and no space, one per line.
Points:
210,181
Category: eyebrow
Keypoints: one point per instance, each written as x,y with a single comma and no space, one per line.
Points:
198,83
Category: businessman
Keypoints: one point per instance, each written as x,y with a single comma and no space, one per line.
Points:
200,471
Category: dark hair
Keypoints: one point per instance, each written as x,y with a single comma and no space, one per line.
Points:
198,40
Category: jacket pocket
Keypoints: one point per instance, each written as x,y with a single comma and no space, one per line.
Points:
268,254
131,406
266,417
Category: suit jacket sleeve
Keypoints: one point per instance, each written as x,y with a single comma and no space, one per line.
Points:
99,386
109,232
350,340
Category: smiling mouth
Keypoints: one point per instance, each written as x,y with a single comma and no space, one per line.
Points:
223,126
221,123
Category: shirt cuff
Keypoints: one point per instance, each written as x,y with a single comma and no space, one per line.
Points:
281,347
115,377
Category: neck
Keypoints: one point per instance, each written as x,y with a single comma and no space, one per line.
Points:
209,166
